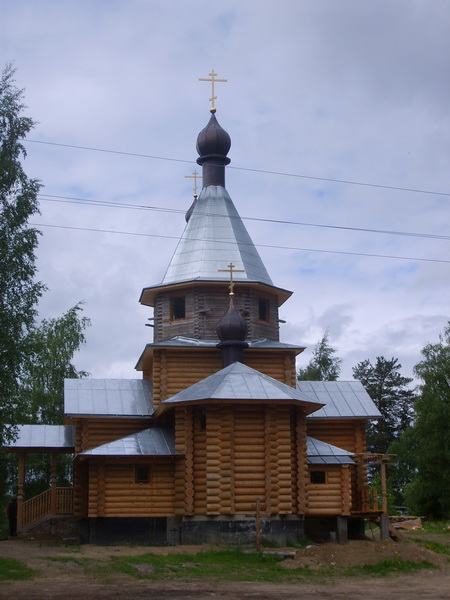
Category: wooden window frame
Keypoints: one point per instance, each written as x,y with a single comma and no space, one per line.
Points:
266,303
138,476
174,310
322,472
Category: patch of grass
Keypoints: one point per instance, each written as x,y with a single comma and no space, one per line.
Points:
436,526
434,546
14,570
387,567
240,566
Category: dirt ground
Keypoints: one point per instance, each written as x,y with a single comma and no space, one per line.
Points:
67,581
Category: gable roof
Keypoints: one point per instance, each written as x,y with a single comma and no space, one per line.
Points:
340,399
238,382
108,397
155,441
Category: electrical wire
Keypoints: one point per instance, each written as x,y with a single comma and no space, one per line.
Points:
152,235
110,204
249,169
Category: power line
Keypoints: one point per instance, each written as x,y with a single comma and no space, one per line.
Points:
249,169
110,204
173,237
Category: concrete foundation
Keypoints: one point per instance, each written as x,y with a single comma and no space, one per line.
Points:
160,531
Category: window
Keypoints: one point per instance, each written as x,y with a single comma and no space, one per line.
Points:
141,474
318,477
178,308
263,309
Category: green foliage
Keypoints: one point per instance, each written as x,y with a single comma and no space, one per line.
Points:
436,527
425,447
324,365
19,293
434,546
14,570
389,390
52,347
389,566
231,565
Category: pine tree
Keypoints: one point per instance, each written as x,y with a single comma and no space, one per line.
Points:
394,399
324,365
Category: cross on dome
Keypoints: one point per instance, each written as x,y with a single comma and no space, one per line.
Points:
194,176
213,80
231,270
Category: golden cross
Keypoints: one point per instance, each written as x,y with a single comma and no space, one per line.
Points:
231,270
213,80
194,176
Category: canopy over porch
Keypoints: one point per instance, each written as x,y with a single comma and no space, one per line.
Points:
51,439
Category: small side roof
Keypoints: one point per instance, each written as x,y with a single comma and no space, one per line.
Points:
321,453
238,382
44,438
340,399
155,441
108,397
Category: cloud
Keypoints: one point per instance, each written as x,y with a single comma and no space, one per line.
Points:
351,91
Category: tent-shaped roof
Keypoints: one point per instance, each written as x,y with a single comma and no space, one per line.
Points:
44,438
340,399
215,236
108,397
321,453
238,382
155,441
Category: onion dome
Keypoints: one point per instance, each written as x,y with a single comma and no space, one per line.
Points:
232,327
232,331
213,144
213,140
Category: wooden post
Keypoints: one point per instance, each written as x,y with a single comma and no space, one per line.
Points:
346,489
53,507
20,489
258,526
384,506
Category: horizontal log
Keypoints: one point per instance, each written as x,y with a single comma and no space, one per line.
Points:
322,511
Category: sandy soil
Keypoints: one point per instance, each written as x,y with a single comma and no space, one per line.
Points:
68,582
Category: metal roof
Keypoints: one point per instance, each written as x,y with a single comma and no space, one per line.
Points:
108,397
150,442
240,382
321,453
215,236
44,438
340,399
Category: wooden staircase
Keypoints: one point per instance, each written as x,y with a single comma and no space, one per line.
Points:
52,502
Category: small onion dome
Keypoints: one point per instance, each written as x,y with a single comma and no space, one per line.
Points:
232,327
213,140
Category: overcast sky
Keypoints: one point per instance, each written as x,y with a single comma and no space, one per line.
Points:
318,90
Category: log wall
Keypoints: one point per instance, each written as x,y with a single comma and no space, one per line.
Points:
91,432
113,491
175,369
236,454
326,498
349,434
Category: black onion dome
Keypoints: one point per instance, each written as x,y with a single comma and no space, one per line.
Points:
213,139
232,327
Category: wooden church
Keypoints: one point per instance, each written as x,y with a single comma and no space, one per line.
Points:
217,441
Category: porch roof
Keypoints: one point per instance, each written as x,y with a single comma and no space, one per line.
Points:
43,438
